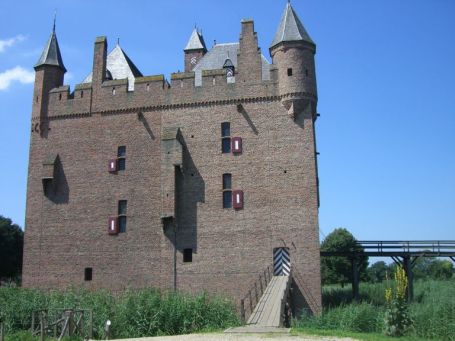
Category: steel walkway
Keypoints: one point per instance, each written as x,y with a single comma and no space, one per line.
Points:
268,312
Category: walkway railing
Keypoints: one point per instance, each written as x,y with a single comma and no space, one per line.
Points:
425,248
252,297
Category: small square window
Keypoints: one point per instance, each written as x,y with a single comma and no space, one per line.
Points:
226,145
187,255
289,72
122,205
121,151
121,161
122,224
88,274
225,129
121,164
122,208
227,179
227,199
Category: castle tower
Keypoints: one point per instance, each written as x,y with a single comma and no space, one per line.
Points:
194,50
292,52
49,72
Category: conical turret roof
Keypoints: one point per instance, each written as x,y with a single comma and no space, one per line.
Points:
290,28
196,41
51,54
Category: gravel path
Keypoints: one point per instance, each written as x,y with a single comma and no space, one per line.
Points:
239,337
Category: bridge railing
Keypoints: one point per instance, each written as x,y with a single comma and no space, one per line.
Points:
436,246
398,248
252,297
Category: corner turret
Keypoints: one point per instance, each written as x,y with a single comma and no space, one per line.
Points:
194,50
292,52
49,73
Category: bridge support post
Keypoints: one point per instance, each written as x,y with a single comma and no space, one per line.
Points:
407,265
355,279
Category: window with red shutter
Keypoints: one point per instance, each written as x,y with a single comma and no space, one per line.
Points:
112,165
237,199
236,145
113,226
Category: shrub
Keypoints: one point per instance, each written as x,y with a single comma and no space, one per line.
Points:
397,319
135,313
363,317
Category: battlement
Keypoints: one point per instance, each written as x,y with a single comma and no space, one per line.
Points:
226,71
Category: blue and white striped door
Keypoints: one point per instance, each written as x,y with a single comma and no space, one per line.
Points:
281,262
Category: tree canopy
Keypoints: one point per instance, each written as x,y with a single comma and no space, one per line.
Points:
11,246
338,269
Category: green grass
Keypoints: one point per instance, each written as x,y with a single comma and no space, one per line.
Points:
134,313
433,312
358,336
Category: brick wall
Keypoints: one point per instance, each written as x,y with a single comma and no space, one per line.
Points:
66,229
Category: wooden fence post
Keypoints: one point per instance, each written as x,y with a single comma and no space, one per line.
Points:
41,326
260,282
90,328
33,322
2,336
242,310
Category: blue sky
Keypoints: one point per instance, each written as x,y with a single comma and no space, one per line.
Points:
386,75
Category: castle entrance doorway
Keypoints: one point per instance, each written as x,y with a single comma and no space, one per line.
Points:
281,261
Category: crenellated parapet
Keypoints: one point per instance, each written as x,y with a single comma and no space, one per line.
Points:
223,73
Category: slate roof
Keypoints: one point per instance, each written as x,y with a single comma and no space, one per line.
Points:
120,66
290,28
51,54
196,42
216,57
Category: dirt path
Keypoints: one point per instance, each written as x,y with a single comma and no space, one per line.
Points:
239,337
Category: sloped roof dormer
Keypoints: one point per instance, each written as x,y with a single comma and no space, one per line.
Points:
119,66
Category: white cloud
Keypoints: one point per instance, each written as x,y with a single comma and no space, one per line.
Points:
18,74
10,42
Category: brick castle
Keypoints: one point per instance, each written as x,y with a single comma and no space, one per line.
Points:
200,183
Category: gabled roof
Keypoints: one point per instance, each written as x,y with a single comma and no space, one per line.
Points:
215,58
290,28
120,66
51,54
196,42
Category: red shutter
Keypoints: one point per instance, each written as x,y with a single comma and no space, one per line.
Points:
113,226
237,199
236,145
112,165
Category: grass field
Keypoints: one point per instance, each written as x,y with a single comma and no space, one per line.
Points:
433,312
150,312
133,314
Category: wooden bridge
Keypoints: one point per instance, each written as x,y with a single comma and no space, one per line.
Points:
404,253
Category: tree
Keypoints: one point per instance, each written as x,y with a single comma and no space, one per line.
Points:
11,246
422,267
338,269
377,272
441,269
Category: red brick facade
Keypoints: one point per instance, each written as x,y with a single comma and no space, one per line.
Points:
173,177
